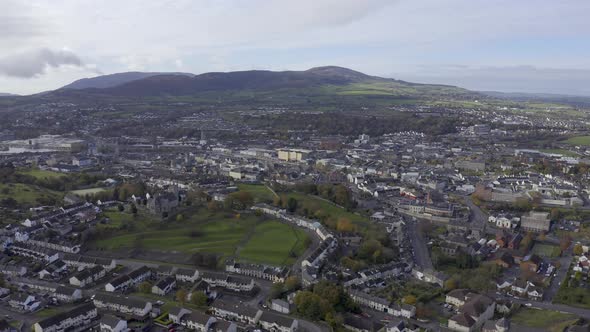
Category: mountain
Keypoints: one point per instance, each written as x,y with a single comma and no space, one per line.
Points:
330,81
7,95
113,80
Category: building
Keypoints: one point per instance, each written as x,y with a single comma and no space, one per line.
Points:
239,313
276,323
229,282
75,319
88,276
280,306
537,222
293,154
129,306
164,286
110,323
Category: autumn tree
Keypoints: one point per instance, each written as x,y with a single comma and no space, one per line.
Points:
181,295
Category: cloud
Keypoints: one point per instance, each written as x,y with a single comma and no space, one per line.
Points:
36,62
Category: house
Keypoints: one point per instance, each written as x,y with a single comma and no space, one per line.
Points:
360,324
399,325
501,325
197,321
110,323
456,297
280,306
88,276
24,302
187,275
373,302
473,313
164,286
408,311
75,319
240,313
67,294
229,282
277,323
461,322
121,282
224,326
129,306
175,314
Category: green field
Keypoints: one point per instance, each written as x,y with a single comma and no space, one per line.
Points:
41,174
89,191
563,152
246,237
579,140
29,195
544,320
546,250
325,208
260,192
275,243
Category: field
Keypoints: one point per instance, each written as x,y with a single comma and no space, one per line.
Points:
544,320
29,195
546,250
260,192
275,243
41,174
579,140
326,208
245,238
89,191
563,152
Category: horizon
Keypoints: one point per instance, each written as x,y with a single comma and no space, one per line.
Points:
524,47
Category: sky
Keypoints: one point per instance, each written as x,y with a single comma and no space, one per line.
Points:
501,45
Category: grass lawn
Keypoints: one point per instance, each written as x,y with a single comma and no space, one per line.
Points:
268,242
41,174
89,191
545,250
563,152
47,312
579,140
274,242
326,208
544,320
260,192
27,194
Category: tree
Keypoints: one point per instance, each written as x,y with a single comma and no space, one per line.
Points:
276,201
120,207
344,225
133,209
292,283
145,287
578,249
450,284
291,204
199,299
181,295
179,217
409,299
213,206
564,242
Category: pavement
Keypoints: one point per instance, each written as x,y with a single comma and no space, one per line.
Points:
421,254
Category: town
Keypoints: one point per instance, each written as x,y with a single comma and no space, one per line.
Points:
236,225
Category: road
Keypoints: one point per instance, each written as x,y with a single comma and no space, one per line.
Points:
421,254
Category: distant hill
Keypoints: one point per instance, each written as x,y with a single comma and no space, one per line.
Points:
7,95
582,101
328,80
113,80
